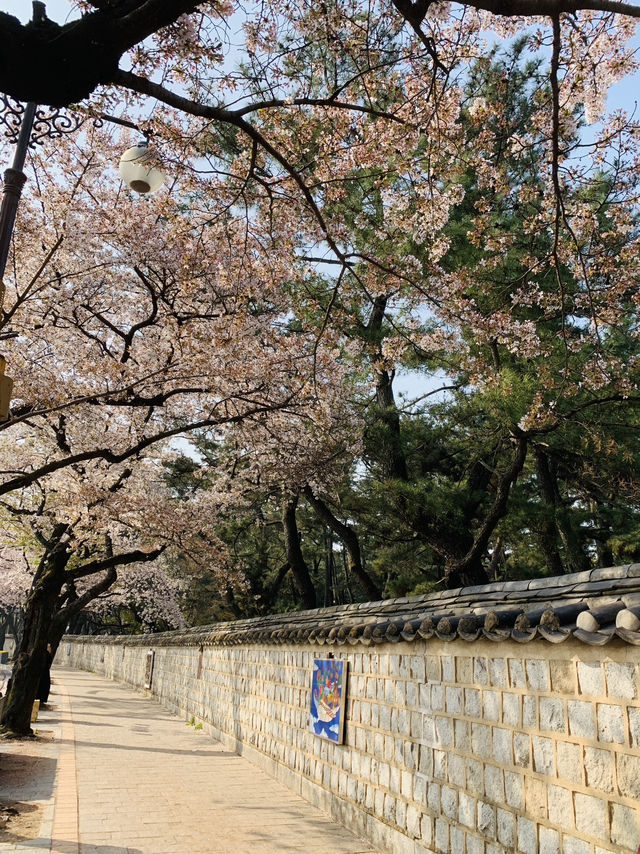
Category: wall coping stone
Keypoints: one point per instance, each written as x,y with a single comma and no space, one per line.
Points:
594,607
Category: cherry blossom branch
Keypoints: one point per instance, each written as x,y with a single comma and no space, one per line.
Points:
146,87
28,478
318,102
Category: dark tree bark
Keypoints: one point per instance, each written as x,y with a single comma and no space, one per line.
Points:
39,611
295,557
548,533
576,559
350,541
469,570
61,65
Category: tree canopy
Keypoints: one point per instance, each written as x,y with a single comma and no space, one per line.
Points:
209,376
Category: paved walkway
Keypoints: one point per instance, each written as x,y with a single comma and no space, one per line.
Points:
118,774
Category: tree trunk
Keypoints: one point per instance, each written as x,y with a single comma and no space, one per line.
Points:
295,557
558,522
351,544
470,570
390,453
30,661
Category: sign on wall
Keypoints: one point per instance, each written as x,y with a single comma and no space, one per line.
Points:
328,697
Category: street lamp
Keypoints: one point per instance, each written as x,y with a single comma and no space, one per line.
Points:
138,170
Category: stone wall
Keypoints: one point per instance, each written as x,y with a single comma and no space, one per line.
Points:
468,748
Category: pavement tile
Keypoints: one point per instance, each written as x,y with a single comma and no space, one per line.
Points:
134,779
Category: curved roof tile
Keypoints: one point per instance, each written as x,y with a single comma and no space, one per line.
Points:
594,607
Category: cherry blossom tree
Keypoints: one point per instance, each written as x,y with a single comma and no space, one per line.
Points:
305,247
123,332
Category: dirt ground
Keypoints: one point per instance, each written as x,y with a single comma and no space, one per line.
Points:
19,821
24,767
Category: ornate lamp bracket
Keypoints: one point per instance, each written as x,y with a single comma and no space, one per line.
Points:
47,123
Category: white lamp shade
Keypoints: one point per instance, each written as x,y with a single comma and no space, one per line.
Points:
138,171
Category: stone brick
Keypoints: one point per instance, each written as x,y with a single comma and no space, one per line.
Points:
426,829
560,806
453,699
610,724
449,802
424,698
552,715
516,673
475,845
486,819
389,812
442,836
538,674
590,678
433,797
417,668
514,789
433,668
530,712
582,720
625,830
571,845
521,749
481,740
439,765
425,760
549,841
511,709
491,703
543,761
457,776
494,784
569,761
437,698
464,669
502,745
480,671
598,767
467,810
472,703
506,828
448,668
591,815
413,822
629,775
563,677
621,680
444,732
634,726
456,839
498,673
475,784
461,735
535,798
527,836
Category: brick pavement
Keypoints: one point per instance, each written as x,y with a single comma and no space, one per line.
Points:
134,779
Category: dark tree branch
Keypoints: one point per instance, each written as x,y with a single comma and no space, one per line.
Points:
107,563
